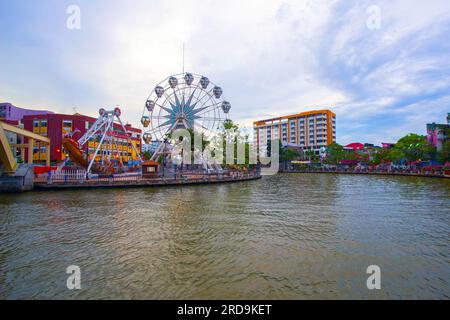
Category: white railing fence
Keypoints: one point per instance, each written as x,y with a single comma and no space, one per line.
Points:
70,175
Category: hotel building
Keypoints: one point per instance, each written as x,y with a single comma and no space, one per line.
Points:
309,130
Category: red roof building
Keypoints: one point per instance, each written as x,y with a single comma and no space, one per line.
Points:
355,146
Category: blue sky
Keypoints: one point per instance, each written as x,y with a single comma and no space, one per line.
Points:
271,58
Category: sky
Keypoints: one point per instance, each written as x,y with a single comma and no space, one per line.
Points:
382,66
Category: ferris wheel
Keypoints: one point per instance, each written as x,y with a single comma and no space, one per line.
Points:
184,101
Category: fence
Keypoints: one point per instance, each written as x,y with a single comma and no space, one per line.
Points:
76,176
62,176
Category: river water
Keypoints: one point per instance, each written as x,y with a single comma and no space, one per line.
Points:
289,236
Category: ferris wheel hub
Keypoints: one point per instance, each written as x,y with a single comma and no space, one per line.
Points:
187,101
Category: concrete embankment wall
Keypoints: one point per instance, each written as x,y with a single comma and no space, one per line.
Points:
139,183
21,180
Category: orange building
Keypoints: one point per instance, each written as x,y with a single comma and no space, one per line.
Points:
309,130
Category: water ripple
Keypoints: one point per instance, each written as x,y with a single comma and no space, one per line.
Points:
287,236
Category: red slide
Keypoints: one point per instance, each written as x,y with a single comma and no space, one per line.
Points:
76,155
71,147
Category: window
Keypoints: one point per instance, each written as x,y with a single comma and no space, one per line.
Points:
36,123
67,123
43,123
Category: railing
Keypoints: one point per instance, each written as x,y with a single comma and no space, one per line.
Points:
64,176
78,177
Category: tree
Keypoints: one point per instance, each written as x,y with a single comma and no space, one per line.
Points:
335,153
233,133
147,155
310,154
395,155
444,155
194,136
287,154
380,156
415,147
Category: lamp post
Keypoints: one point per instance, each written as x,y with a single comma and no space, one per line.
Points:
164,154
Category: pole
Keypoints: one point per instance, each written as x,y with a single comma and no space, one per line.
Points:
30,150
47,155
164,157
183,57
98,148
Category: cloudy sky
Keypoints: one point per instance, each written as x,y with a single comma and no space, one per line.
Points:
271,58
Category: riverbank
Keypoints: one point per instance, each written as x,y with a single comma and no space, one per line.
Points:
138,182
375,173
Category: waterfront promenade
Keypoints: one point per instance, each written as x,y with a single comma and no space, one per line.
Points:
80,182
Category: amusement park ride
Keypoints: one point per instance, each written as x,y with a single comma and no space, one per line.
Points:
103,131
183,101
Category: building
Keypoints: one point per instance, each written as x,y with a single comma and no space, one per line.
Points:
311,130
10,112
387,145
56,126
437,134
355,146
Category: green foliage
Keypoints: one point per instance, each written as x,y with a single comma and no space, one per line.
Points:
395,155
287,154
414,147
380,156
232,131
335,153
147,155
444,155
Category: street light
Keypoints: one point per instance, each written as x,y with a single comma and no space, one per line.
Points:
164,154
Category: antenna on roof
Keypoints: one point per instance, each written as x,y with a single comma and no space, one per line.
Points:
183,57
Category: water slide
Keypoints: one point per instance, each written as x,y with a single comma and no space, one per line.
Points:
76,155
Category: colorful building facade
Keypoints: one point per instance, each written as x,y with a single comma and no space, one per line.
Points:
10,112
311,130
56,126
437,134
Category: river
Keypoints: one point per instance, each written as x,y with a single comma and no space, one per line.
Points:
289,236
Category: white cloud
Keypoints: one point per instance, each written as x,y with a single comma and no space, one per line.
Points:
271,57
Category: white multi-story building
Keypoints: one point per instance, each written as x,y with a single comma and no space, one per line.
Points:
309,130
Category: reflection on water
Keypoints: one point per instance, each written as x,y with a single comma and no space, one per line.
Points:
283,237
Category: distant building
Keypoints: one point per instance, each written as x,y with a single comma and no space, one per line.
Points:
355,146
387,145
56,126
311,130
12,113
437,133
